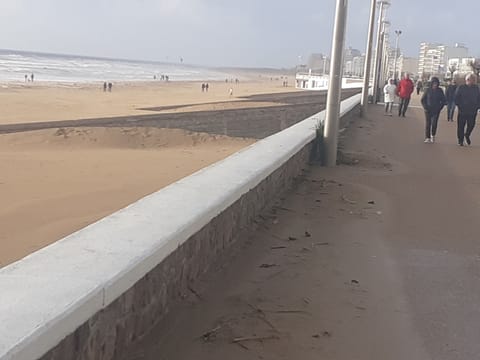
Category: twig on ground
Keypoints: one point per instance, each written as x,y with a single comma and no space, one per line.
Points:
262,316
344,198
193,291
255,338
266,266
206,336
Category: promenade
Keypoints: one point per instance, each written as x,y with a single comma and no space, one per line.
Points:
378,258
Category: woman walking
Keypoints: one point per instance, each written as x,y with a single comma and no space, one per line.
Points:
389,91
433,101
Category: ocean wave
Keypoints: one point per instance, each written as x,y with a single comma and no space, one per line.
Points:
67,68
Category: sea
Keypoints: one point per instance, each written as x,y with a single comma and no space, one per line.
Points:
69,69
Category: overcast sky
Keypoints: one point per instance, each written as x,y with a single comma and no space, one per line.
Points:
253,33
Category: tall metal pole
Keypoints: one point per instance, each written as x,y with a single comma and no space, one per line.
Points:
378,55
398,33
368,60
335,84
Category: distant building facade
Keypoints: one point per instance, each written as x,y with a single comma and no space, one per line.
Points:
434,58
407,65
319,63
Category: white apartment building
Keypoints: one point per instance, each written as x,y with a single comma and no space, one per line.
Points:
433,58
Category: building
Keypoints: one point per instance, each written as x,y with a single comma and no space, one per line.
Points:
350,54
312,81
433,58
319,63
407,65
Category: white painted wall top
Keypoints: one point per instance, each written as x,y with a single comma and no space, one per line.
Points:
50,293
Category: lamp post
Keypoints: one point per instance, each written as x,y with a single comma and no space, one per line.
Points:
398,33
383,5
368,60
335,84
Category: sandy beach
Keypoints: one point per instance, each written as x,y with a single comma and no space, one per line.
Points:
56,181
34,102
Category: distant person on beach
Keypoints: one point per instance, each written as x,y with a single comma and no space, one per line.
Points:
467,98
230,91
206,87
203,87
389,91
450,95
166,78
433,101
26,78
110,87
31,77
104,86
404,91
154,77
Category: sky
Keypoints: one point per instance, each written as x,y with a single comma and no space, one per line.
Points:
243,33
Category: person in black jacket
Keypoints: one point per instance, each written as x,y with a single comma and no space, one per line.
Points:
450,95
433,101
467,98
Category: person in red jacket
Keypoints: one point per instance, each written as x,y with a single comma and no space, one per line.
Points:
405,90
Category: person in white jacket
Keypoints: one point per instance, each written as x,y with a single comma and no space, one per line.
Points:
389,91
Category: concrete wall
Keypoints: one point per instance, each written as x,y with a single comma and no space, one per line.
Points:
93,293
256,123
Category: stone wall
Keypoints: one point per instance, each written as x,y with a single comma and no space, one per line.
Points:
257,122
107,334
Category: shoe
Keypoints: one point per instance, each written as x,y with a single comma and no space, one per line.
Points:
460,143
467,139
403,115
427,140
432,139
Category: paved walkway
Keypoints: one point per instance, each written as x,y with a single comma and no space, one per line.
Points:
376,259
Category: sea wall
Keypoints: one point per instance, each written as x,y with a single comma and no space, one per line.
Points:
95,292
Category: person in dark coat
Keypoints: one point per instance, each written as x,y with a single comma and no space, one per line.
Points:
467,98
450,96
433,101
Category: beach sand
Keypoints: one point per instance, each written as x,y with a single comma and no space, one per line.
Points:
23,103
54,182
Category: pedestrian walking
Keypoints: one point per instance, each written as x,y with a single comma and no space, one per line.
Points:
419,86
203,87
104,86
389,91
450,95
467,98
110,87
206,87
405,90
433,101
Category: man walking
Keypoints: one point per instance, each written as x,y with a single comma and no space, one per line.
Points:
433,101
450,95
467,98
405,90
